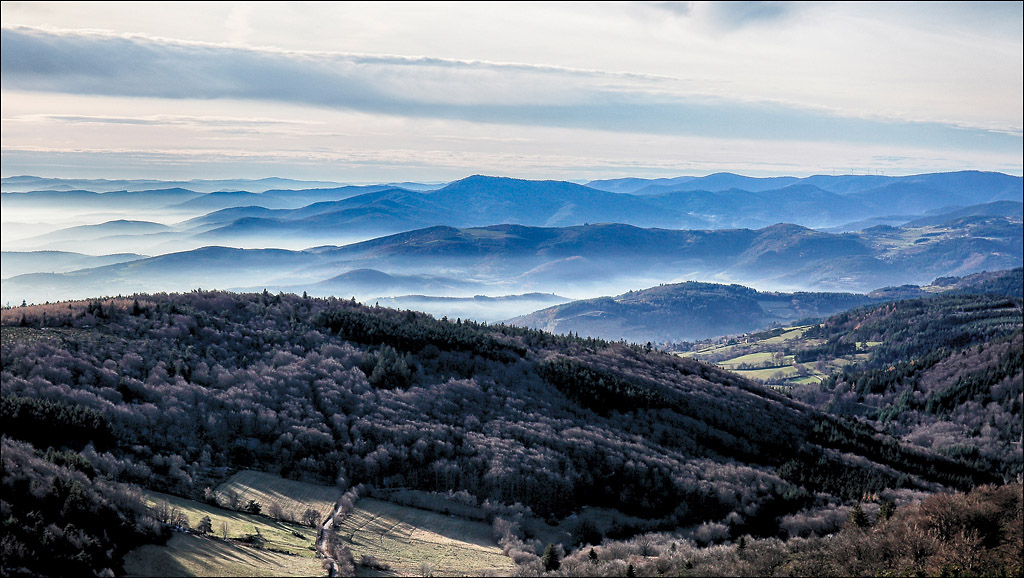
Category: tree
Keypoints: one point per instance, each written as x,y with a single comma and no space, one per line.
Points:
586,532
550,558
205,525
253,507
310,517
592,556
886,510
162,512
230,499
179,519
857,517
645,545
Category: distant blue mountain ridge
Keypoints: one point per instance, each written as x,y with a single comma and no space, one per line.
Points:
505,259
718,201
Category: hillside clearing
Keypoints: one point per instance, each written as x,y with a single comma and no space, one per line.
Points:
767,356
406,538
191,555
279,536
278,495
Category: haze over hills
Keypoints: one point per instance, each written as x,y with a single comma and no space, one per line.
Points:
575,261
492,236
95,232
302,218
478,308
19,263
993,209
365,282
693,311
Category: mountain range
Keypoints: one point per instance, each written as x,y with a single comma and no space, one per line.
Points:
572,261
693,311
307,217
494,236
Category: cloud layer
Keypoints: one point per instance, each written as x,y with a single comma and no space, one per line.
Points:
559,90
137,66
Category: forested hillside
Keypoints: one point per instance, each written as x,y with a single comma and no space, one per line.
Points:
943,369
173,392
685,311
948,374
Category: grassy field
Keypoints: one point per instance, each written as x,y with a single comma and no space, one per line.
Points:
790,334
291,496
401,537
784,372
760,348
749,359
189,555
406,538
280,536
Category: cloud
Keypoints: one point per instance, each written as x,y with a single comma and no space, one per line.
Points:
731,15
122,65
167,120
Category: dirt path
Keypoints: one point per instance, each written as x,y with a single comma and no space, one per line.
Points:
321,538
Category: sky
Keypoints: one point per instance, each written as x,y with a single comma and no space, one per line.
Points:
428,92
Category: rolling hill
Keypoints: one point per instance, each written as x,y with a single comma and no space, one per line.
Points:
91,201
80,233
993,209
16,263
481,201
577,261
340,215
685,312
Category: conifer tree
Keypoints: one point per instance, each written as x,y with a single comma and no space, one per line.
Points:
550,558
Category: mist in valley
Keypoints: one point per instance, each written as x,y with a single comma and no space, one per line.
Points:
443,250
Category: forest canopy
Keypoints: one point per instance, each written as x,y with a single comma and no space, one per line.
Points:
172,391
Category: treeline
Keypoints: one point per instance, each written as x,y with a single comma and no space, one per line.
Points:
411,332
